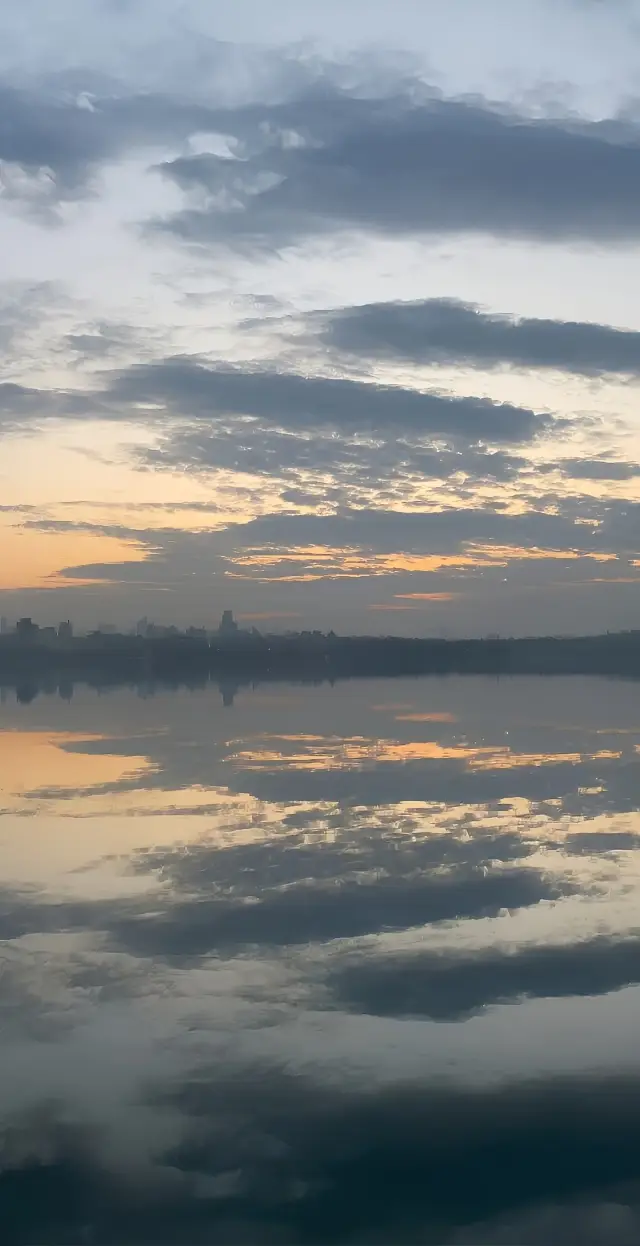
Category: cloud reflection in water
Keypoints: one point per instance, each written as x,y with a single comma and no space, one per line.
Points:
334,964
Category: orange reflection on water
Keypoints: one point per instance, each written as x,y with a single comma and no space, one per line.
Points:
433,717
506,760
337,753
33,762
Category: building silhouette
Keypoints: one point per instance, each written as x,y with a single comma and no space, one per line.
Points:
26,629
228,625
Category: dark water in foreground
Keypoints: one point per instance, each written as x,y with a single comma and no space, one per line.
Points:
352,964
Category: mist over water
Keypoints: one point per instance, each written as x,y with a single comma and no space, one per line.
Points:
352,963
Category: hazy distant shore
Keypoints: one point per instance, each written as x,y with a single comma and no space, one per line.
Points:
109,659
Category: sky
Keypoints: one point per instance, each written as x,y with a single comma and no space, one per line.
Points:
323,313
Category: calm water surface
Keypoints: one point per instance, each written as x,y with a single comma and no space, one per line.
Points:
351,964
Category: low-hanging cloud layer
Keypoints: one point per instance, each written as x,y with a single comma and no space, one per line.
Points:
300,303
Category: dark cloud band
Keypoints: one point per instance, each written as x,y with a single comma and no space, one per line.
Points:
450,332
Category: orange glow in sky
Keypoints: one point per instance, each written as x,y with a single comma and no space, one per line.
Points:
33,559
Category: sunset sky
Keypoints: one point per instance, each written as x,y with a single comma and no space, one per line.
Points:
327,313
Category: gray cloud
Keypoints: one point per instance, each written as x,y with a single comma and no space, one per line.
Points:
619,524
329,160
308,914
195,927
416,1161
189,388
599,469
276,423
101,339
59,131
267,420
368,530
23,306
23,406
447,331
353,461
450,986
426,531
296,857
263,1154
447,781
272,556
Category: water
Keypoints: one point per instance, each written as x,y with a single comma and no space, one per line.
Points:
326,964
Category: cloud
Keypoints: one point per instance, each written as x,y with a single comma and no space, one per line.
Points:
294,402
598,469
332,441
23,406
446,985
363,543
103,338
355,460
408,163
311,155
56,133
186,921
451,332
290,427
367,556
188,928
413,1161
429,532
262,1154
322,913
449,780
23,307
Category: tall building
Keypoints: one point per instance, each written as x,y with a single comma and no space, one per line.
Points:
26,627
228,625
65,630
4,626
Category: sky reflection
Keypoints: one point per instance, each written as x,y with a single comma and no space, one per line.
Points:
261,959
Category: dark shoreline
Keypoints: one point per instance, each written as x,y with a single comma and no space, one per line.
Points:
107,661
